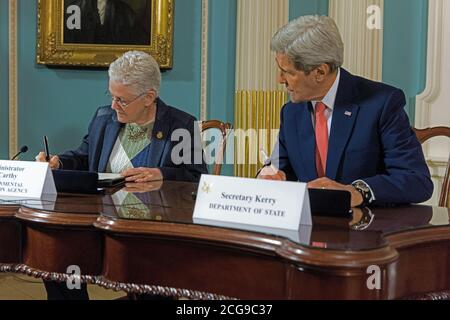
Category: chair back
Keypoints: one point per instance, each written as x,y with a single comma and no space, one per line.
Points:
214,137
426,134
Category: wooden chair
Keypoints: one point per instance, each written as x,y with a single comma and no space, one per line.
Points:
425,134
224,129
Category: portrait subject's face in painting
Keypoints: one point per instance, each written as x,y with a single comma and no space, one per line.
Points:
114,22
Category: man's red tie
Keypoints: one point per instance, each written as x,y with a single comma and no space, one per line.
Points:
321,139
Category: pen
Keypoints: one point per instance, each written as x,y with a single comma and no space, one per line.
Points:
47,153
267,160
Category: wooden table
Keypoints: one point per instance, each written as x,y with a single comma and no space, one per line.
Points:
148,243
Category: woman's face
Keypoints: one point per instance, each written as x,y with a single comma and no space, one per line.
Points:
131,107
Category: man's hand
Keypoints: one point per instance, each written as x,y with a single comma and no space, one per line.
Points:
53,163
325,183
271,173
141,175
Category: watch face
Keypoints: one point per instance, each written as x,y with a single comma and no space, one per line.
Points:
365,192
362,186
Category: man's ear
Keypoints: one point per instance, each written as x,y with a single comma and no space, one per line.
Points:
322,72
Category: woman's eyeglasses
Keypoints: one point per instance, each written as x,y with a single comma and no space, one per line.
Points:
123,104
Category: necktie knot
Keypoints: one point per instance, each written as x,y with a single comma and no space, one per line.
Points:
320,107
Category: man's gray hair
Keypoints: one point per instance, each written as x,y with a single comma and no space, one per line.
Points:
310,41
137,70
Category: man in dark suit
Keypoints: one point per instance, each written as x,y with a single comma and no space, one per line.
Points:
108,22
341,131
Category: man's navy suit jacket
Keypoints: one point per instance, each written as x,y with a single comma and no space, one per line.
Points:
96,147
370,139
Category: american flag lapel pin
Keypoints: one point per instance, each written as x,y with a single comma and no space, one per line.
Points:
348,113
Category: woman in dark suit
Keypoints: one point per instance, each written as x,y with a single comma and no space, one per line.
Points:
133,136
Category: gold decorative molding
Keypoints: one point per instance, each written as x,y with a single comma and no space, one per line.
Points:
12,81
52,50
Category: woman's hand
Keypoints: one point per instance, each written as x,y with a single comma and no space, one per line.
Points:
140,175
134,187
54,160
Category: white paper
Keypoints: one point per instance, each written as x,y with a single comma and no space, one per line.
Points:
109,176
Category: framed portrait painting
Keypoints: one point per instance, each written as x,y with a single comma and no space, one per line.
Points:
93,33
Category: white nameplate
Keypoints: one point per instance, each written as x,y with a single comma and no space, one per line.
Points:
263,203
24,179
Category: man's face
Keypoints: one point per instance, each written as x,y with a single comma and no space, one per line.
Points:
301,87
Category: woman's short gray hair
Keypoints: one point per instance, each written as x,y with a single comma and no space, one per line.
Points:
137,70
310,41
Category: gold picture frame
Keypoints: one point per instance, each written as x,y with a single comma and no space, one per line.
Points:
53,28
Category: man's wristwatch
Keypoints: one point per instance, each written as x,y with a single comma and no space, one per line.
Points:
365,192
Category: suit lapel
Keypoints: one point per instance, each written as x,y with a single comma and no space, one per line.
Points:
344,117
160,135
306,140
111,134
